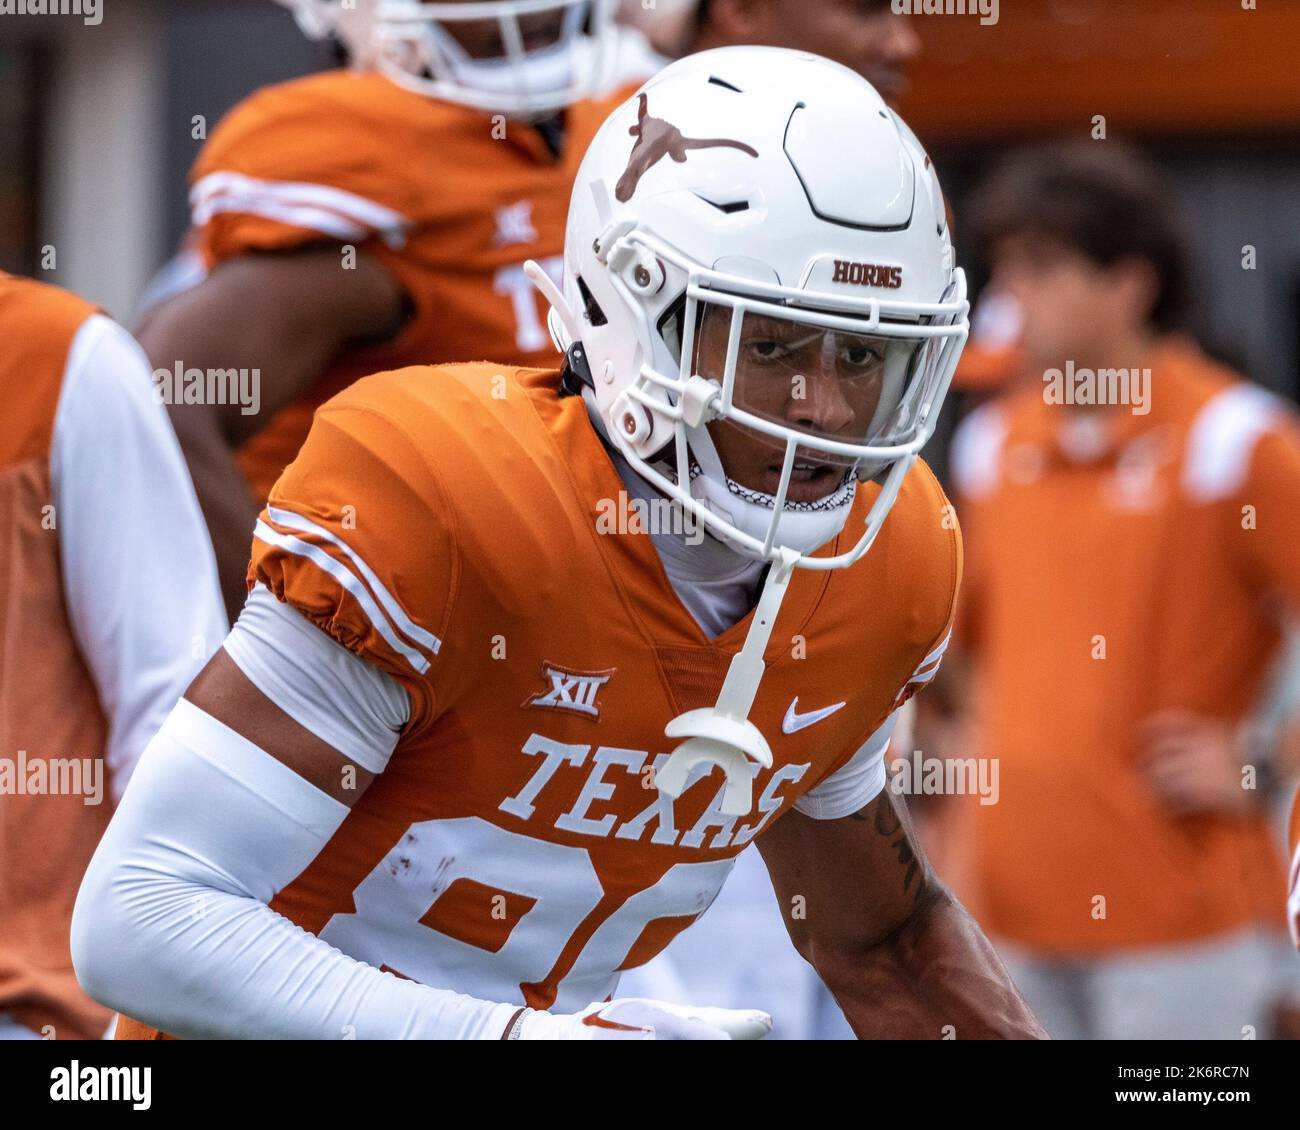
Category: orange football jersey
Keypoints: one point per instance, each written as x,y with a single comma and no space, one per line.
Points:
451,200
443,524
49,707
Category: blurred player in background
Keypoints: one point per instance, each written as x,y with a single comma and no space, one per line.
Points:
870,39
380,216
864,35
1131,519
110,606
430,746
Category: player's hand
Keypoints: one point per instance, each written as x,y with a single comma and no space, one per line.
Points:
1194,764
632,1018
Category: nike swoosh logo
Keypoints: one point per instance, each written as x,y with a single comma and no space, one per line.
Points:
794,721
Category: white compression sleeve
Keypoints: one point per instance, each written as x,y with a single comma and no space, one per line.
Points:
171,924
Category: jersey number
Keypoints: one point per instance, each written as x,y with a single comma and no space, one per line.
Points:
557,888
530,331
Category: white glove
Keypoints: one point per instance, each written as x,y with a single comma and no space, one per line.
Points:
632,1018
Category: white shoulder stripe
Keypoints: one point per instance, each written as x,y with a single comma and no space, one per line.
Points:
396,612
313,219
937,653
934,657
928,668
332,210
1293,902
1222,440
349,204
340,573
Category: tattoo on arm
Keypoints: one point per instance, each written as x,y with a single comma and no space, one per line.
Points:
889,825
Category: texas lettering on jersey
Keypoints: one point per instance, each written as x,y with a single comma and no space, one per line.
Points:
515,847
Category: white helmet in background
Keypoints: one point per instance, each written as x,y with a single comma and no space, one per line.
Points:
752,220
521,57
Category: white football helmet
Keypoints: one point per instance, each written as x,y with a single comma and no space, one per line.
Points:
752,228
757,250
539,56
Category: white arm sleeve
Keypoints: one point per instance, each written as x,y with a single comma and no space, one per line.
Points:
855,783
138,570
171,924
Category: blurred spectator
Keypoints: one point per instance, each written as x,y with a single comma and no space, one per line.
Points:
1130,518
110,607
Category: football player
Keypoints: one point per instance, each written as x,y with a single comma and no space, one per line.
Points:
92,483
380,216
454,768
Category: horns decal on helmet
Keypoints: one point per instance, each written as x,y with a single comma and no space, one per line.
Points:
656,139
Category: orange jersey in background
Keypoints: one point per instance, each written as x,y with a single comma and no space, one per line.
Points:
443,524
1120,567
49,709
451,200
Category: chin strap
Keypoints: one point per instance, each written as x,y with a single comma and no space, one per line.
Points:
722,734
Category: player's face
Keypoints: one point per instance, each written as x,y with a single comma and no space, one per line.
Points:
482,39
863,35
822,382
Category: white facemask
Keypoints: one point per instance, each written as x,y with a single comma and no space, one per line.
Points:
804,526
550,70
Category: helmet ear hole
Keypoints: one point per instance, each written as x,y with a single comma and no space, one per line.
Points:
670,325
595,315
